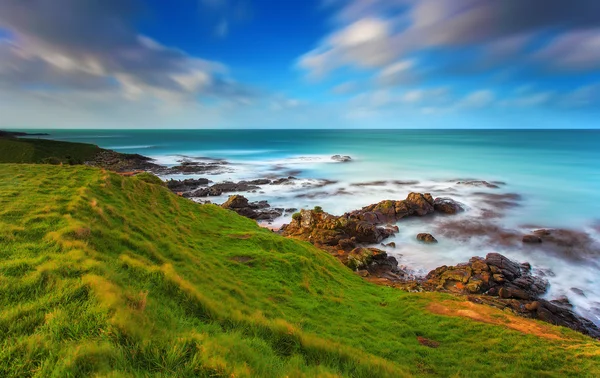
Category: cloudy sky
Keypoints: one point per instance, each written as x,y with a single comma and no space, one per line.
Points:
299,64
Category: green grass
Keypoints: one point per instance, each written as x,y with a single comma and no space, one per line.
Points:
111,276
29,150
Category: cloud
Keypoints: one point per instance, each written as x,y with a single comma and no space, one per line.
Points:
585,96
573,51
485,34
478,99
345,88
92,45
530,99
227,13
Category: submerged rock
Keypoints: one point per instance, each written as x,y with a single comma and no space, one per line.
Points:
479,183
532,239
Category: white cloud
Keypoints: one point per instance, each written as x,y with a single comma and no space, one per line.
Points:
478,99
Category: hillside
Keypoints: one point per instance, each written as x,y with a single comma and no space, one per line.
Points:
112,276
28,150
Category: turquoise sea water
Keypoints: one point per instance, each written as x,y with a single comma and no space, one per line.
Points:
556,172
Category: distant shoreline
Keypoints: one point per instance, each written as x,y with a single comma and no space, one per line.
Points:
20,134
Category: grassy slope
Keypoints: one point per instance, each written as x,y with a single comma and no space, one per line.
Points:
111,275
24,150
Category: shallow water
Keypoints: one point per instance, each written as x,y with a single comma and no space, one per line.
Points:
557,174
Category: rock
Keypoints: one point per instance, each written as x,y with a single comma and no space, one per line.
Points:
195,167
120,162
361,258
341,159
495,275
447,206
284,181
256,210
478,183
426,238
578,291
186,185
511,285
532,239
390,245
391,211
361,226
256,182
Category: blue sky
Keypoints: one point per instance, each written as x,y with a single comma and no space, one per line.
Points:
299,64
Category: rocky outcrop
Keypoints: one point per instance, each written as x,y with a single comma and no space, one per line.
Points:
326,230
495,275
358,227
373,263
187,184
118,162
447,206
495,280
391,211
196,167
260,211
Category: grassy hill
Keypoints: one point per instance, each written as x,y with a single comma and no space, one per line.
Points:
111,276
24,150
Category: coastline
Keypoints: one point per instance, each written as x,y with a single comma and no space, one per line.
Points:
201,189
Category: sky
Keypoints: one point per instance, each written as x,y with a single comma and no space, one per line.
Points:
299,64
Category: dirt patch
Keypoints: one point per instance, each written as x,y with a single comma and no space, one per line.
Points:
242,259
485,314
427,342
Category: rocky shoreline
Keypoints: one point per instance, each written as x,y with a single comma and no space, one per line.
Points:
493,280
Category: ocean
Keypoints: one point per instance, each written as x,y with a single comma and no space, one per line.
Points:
545,179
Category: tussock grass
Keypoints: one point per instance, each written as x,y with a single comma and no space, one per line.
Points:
114,276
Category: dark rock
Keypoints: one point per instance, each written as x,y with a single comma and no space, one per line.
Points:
187,185
478,183
532,239
341,159
284,181
578,291
195,167
256,210
390,245
447,206
119,162
256,182
426,238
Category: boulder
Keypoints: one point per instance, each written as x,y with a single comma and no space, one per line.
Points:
426,238
447,206
253,210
